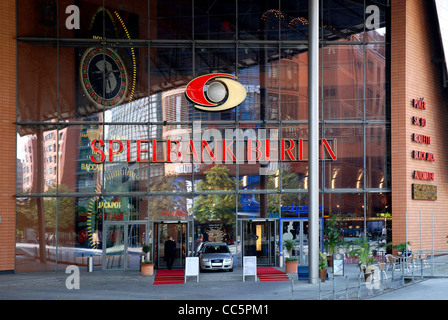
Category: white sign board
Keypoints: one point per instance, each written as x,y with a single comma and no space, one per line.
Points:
249,267
192,268
338,264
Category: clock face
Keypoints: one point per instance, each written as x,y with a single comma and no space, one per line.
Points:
103,77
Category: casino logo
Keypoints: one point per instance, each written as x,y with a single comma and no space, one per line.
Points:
215,92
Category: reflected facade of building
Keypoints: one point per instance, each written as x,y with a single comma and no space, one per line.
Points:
115,88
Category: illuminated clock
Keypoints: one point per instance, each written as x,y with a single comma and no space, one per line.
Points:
103,77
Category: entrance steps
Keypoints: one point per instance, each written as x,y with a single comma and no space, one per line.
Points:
271,274
237,275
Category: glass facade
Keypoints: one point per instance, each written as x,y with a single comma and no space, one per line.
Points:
112,155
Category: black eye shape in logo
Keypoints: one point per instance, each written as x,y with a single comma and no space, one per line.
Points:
223,92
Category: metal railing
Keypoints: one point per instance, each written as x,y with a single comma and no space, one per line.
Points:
356,285
362,288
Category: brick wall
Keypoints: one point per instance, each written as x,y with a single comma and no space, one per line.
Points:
7,132
414,75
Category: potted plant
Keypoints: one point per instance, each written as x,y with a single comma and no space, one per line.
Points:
365,258
332,239
147,266
399,247
322,266
291,263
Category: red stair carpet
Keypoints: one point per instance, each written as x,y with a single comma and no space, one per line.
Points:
174,276
271,274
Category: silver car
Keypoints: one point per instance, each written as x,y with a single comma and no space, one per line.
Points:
215,256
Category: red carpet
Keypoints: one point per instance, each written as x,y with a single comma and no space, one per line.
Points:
271,274
175,276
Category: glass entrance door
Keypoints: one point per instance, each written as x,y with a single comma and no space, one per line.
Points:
259,241
297,231
136,238
113,257
124,242
178,233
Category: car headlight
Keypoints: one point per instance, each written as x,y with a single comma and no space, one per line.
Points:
205,259
228,260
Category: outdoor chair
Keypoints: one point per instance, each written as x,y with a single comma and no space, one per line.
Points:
392,262
408,263
424,258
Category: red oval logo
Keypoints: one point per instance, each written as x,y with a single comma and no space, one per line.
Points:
223,92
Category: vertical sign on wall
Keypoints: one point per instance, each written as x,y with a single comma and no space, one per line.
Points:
422,191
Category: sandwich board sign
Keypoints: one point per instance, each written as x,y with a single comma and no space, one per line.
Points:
338,264
250,267
192,268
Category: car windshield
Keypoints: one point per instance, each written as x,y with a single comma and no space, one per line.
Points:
216,249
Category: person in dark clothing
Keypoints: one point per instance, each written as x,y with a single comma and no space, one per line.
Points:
170,252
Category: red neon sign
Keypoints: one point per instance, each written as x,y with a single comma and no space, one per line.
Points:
417,121
421,175
419,104
223,151
420,138
421,155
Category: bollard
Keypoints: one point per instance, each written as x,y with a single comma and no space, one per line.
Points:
90,264
142,259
